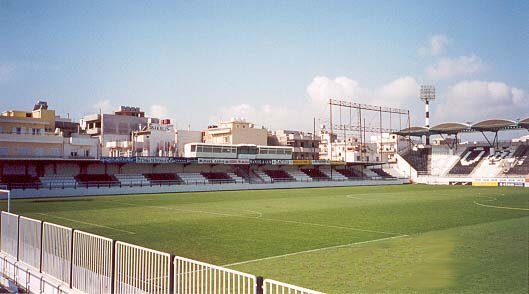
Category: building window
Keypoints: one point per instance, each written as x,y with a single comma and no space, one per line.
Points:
23,151
4,151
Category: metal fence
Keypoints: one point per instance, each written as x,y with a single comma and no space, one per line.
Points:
276,287
191,277
141,270
92,263
30,241
42,257
9,233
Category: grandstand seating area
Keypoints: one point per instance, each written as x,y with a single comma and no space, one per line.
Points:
132,179
418,159
96,180
469,160
278,175
351,173
299,175
333,174
192,178
521,163
164,179
380,172
58,181
315,174
216,177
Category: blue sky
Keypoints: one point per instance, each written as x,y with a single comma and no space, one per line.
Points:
274,63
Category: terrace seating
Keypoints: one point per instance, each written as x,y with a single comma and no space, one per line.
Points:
96,180
315,174
418,159
193,178
469,160
132,180
20,181
216,177
381,173
56,181
164,179
236,178
299,175
521,163
333,174
263,177
279,175
351,173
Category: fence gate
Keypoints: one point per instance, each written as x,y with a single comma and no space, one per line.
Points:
30,235
192,277
141,270
9,234
91,263
56,251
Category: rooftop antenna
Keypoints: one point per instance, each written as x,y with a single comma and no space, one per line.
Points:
427,94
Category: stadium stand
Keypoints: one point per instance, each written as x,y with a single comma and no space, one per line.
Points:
192,178
133,179
20,181
521,163
333,174
279,175
96,180
315,174
218,177
164,179
469,160
418,159
236,178
351,173
299,176
58,181
380,172
262,176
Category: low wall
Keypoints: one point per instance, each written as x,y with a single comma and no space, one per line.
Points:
93,191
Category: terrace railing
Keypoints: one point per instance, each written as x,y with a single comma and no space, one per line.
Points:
42,257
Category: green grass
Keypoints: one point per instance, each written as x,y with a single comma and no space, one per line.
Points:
445,242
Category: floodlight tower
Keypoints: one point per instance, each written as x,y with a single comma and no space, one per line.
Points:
427,94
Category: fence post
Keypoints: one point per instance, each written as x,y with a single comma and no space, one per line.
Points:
71,258
259,285
171,274
41,238
113,268
18,238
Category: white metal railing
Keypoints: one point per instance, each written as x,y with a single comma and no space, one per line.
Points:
275,287
42,257
30,236
141,270
92,263
56,251
191,277
9,233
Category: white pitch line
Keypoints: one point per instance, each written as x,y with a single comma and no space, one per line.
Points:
87,223
314,250
263,218
501,207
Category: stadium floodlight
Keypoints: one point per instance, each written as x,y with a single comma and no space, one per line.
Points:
8,192
427,94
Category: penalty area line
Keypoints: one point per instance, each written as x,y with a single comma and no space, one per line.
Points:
501,207
315,250
87,223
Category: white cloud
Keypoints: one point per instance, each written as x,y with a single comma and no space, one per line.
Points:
435,45
105,106
158,111
475,100
395,93
448,68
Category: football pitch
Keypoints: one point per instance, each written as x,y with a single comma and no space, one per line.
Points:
391,239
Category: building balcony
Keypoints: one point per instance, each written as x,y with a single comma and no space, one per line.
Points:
119,144
48,138
93,131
